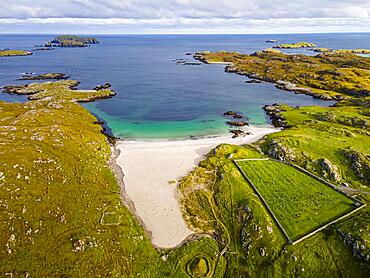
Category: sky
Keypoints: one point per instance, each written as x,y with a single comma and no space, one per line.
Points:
184,16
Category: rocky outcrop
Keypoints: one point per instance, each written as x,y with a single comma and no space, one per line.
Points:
199,56
273,111
328,169
251,231
45,76
279,151
233,114
358,246
237,123
359,163
18,90
288,86
103,87
239,133
231,68
253,81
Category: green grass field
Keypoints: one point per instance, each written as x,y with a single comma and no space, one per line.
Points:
300,202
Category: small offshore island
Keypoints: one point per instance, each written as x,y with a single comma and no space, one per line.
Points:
10,53
295,45
79,202
71,41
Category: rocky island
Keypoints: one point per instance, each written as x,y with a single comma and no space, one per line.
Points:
295,45
44,76
58,90
10,53
71,41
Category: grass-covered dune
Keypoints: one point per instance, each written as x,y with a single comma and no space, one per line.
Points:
330,75
61,213
9,53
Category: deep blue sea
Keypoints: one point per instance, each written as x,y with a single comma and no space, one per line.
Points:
157,98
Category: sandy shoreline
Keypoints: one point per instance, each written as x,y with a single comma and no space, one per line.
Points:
150,169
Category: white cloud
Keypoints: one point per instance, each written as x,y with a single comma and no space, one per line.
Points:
138,16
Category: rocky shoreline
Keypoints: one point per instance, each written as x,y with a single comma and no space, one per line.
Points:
280,84
273,112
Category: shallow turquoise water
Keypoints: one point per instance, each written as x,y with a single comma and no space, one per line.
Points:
157,98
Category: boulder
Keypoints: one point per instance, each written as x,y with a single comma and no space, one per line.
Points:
329,170
278,151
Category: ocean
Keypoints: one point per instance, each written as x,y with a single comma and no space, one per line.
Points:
157,98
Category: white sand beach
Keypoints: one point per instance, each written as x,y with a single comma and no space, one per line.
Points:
148,166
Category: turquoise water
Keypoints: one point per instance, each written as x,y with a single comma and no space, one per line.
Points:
157,98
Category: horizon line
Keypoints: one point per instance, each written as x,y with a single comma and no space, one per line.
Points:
138,34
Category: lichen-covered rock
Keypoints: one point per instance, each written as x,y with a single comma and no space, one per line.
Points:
328,169
359,163
357,245
278,151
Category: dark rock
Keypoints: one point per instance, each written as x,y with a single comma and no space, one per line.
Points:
253,81
235,123
239,133
233,114
103,87
13,89
231,68
273,111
